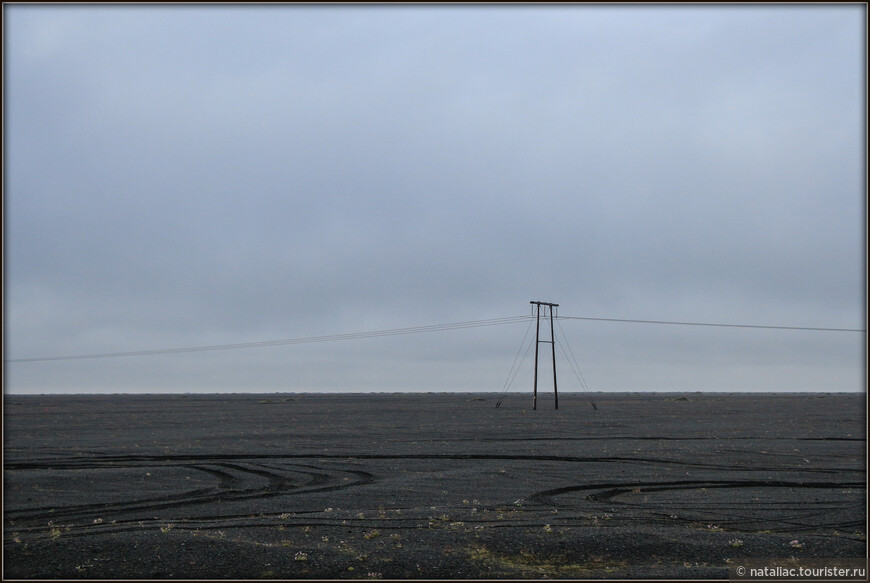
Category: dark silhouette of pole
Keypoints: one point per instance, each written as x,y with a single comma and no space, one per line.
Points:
552,342
553,345
537,342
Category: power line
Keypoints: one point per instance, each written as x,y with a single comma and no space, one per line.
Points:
721,325
286,342
398,331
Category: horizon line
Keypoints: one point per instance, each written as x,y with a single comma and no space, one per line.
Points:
493,392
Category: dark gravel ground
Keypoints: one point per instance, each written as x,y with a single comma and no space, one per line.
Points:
435,486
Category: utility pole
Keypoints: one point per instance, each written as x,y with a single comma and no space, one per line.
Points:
551,341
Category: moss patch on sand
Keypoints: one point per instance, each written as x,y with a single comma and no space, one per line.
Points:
529,565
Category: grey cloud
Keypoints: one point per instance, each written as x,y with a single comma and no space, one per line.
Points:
182,176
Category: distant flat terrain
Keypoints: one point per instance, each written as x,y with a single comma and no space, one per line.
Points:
428,485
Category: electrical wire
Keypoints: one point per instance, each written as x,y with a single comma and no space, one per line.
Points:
398,331
712,324
286,342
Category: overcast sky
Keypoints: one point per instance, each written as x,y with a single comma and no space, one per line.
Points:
181,176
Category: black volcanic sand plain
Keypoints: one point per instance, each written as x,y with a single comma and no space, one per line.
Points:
435,486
